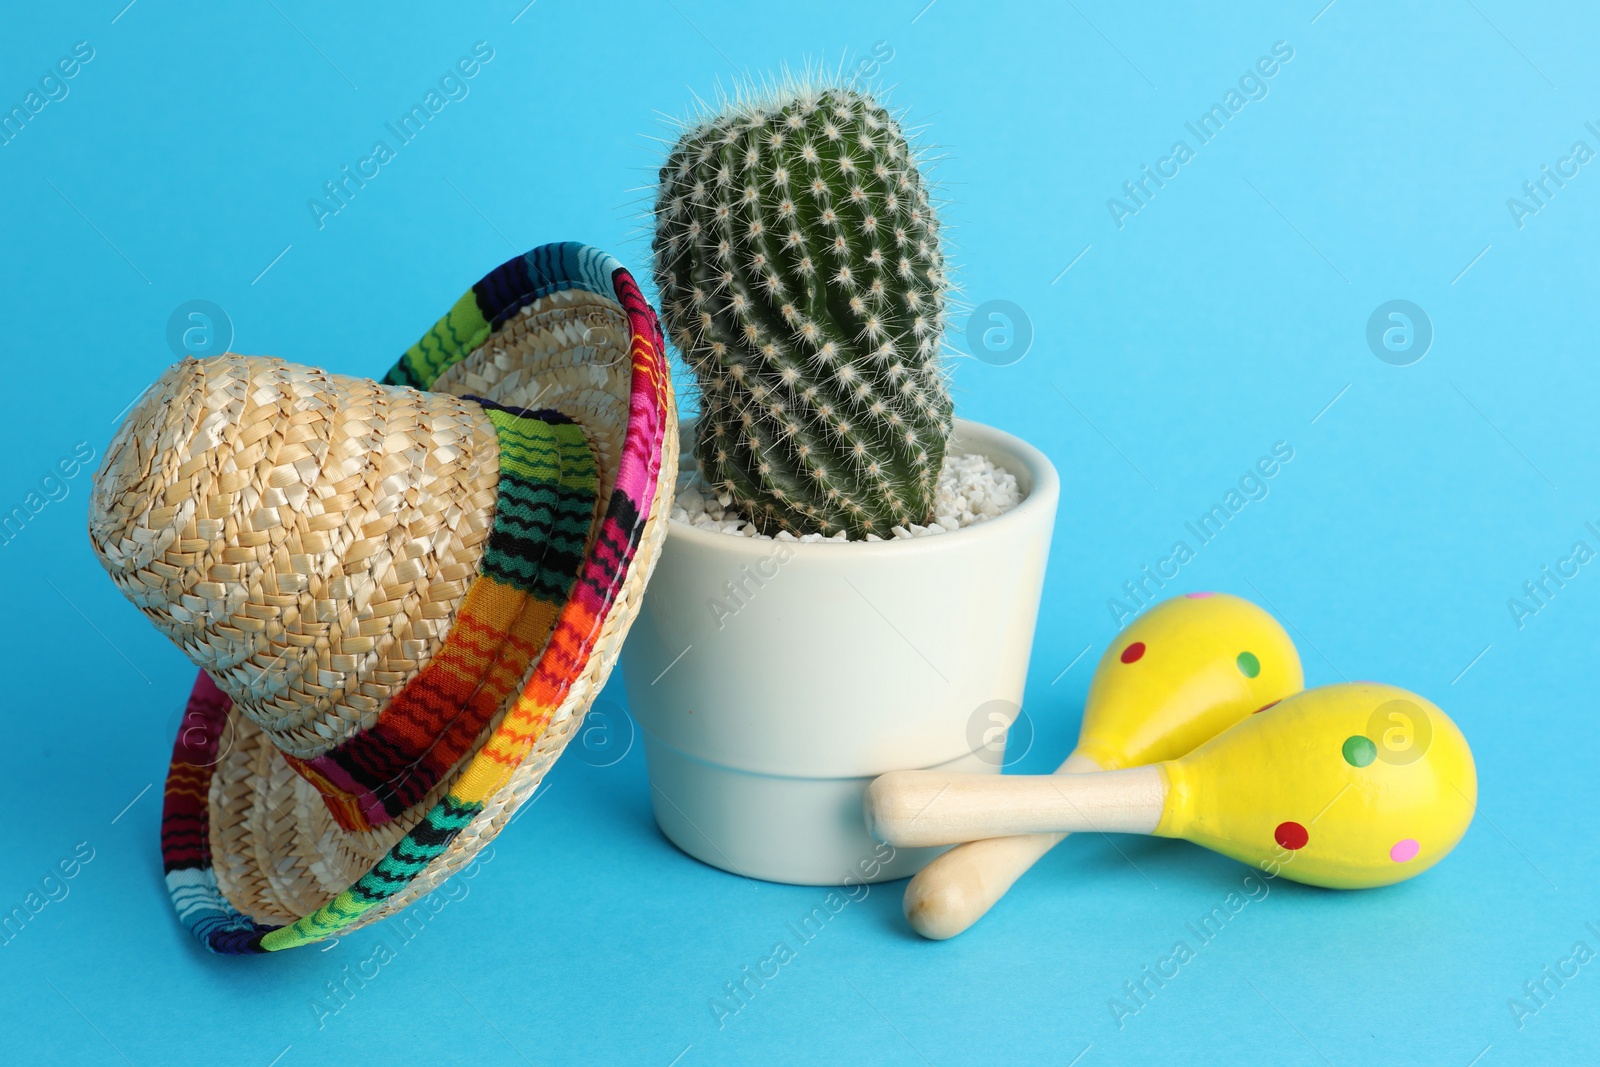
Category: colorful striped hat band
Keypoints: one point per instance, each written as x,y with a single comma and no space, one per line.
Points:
402,601
543,509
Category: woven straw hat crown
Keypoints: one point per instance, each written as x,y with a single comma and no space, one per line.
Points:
303,536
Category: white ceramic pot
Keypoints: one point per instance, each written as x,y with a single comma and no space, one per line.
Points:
773,680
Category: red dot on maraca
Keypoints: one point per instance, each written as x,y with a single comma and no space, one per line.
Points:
1291,835
1132,653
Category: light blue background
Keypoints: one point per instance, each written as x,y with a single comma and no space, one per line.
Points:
1225,316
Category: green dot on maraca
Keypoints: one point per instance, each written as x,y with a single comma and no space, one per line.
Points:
1359,750
1249,666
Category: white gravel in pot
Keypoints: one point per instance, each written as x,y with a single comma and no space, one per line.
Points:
972,488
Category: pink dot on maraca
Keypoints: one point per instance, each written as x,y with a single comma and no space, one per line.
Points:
1198,596
1404,850
1133,652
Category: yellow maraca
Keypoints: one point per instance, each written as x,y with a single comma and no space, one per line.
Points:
1347,786
1178,675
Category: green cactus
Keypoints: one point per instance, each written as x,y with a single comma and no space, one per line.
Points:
798,260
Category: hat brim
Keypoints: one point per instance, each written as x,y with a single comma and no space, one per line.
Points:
254,862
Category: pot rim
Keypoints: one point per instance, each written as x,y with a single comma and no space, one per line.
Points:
1044,492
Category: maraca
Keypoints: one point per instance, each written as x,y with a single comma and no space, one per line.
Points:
1178,675
1305,788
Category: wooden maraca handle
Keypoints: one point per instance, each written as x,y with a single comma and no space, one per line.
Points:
959,887
912,809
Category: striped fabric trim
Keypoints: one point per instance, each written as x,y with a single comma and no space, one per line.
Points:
502,293
605,568
543,510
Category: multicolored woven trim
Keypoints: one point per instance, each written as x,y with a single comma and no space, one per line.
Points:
502,293
191,881
543,510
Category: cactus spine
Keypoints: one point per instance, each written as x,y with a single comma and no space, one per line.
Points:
798,260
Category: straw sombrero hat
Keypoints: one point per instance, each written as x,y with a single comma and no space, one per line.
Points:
403,596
